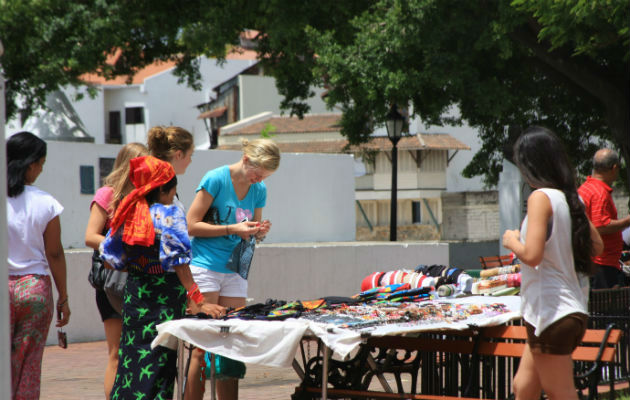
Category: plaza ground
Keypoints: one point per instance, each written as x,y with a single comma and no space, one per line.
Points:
76,373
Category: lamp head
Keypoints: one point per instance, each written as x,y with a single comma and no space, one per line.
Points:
395,123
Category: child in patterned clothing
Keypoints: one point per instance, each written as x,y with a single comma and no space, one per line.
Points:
148,238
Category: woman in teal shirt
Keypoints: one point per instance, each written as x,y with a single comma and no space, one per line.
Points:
227,209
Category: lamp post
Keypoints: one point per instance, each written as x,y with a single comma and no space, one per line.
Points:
394,124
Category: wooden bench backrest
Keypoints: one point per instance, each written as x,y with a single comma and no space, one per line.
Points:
507,341
495,261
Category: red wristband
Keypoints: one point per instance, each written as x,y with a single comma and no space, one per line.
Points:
194,294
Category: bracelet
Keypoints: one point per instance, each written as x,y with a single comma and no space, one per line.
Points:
227,229
194,294
60,304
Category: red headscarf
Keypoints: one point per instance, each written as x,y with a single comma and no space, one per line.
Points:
146,173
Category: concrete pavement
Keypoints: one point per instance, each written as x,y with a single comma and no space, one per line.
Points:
76,373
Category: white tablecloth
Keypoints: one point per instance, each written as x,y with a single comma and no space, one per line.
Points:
274,343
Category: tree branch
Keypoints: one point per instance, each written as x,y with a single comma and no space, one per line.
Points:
591,81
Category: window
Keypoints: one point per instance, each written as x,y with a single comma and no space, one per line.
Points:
105,166
134,125
86,172
416,212
114,135
134,115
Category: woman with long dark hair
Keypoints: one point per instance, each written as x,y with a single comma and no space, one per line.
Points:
555,245
35,253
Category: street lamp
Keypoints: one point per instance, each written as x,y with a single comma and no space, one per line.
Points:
394,124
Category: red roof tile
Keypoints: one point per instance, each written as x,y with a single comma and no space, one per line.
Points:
236,53
310,123
440,141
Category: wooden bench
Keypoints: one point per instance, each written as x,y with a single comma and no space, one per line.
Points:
461,357
495,261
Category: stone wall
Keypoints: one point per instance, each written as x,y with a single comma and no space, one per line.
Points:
470,216
403,233
621,202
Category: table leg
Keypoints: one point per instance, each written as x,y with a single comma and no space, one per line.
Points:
180,369
325,372
213,378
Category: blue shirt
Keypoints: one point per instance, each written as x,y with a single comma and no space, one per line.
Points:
213,252
169,222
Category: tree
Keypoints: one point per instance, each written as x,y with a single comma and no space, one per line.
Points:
505,64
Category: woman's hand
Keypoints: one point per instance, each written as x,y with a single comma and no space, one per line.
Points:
63,312
215,310
510,238
244,229
265,226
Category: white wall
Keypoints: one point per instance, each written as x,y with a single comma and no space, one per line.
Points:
91,111
259,94
309,199
455,182
171,103
279,271
165,101
310,271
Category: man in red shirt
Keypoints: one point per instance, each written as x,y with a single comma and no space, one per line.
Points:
600,209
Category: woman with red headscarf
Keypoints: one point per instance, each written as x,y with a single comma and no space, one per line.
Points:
149,238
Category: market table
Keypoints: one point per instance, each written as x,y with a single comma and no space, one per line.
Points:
275,343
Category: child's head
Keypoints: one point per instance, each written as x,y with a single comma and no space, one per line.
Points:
26,154
147,174
543,160
163,194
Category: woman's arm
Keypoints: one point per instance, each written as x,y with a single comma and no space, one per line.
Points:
196,227
57,264
539,212
96,223
185,277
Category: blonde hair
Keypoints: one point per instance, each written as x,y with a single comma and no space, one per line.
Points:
164,141
263,153
118,179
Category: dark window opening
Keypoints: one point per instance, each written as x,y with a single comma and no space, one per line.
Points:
416,215
134,115
105,166
114,136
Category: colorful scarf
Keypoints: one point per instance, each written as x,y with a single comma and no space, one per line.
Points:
146,173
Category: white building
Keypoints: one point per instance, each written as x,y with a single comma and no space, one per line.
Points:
122,112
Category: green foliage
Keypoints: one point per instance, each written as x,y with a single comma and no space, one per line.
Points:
266,132
491,61
505,64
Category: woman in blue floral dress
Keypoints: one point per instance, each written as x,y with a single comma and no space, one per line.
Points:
149,239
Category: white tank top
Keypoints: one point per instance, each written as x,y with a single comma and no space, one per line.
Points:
553,289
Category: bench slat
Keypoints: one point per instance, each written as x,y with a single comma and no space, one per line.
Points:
462,342
501,349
